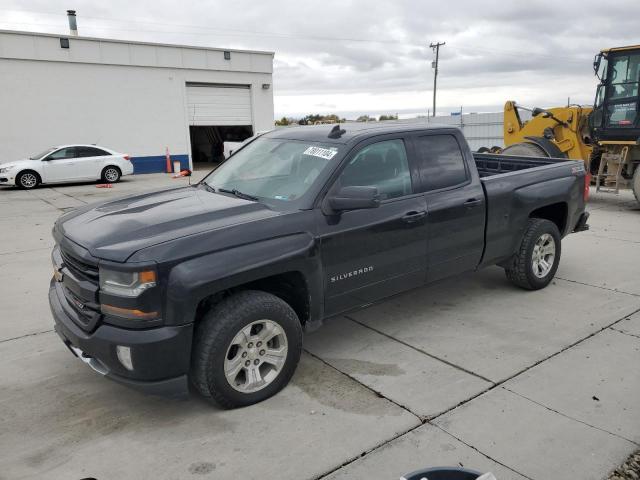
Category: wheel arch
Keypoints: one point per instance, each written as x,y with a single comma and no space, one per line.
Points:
555,212
292,287
285,266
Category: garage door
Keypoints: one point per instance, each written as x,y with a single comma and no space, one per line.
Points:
219,104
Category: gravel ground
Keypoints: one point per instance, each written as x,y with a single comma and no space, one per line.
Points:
629,470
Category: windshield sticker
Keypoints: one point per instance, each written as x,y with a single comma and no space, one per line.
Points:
326,153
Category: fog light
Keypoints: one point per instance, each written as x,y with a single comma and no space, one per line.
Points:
124,355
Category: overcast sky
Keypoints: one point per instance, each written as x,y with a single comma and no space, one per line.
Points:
372,56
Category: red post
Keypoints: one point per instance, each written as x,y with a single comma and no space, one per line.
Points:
169,170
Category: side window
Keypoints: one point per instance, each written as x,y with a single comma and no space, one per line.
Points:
440,161
69,152
91,152
383,165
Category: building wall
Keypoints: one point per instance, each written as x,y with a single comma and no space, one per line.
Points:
125,96
479,129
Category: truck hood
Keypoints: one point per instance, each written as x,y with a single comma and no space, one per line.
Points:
116,229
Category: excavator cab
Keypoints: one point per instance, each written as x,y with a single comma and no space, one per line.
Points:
616,113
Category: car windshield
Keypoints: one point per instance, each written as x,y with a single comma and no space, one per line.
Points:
42,154
276,169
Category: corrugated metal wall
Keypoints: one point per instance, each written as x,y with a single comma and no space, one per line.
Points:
480,129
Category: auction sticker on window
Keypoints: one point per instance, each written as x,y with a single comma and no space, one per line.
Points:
326,153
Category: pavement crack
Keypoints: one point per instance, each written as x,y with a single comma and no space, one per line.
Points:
70,196
569,416
564,349
367,452
625,333
481,452
419,350
376,392
614,238
599,286
26,335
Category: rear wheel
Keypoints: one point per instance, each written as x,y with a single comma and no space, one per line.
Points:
111,174
524,149
636,183
536,262
246,348
28,180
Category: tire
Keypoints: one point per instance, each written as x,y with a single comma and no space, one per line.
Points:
522,271
524,149
28,179
220,345
111,174
635,185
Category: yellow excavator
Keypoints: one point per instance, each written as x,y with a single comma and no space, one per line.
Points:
606,136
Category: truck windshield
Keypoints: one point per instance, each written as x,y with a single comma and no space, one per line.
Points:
276,169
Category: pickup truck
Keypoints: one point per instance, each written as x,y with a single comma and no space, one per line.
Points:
212,285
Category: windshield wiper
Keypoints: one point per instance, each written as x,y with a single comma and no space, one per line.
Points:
239,194
208,187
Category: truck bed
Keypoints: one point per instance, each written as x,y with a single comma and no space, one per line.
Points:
514,185
490,164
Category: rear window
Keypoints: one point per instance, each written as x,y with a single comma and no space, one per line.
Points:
440,162
91,152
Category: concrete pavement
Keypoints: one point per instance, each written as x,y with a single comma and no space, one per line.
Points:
470,372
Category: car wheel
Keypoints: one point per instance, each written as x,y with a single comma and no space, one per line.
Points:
246,349
111,174
537,259
27,180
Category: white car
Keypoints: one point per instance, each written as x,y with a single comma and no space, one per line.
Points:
67,163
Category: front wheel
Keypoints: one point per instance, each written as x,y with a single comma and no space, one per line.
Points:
27,180
536,262
246,349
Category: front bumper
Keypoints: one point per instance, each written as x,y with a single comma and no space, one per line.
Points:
7,179
160,356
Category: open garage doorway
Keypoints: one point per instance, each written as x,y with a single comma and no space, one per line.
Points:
208,142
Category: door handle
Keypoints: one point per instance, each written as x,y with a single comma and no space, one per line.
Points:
472,202
414,216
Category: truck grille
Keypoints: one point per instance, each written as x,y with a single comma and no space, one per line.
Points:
78,266
80,289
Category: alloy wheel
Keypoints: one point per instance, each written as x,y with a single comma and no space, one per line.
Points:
256,356
544,254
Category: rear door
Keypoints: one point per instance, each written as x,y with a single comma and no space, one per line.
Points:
90,162
60,166
372,253
455,204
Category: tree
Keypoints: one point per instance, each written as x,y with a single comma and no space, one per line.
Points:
388,117
283,121
365,118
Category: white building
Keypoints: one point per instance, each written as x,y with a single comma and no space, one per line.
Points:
136,98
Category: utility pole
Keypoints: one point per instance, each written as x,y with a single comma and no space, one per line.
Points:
436,48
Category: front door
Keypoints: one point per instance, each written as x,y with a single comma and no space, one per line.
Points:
60,166
372,253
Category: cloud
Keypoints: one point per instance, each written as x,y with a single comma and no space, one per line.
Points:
374,55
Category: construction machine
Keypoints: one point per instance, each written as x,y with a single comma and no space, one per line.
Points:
606,136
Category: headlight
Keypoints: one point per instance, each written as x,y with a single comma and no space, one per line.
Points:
5,169
126,284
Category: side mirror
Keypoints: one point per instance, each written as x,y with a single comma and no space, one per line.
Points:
354,198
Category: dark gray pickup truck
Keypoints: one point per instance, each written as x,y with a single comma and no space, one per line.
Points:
214,284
